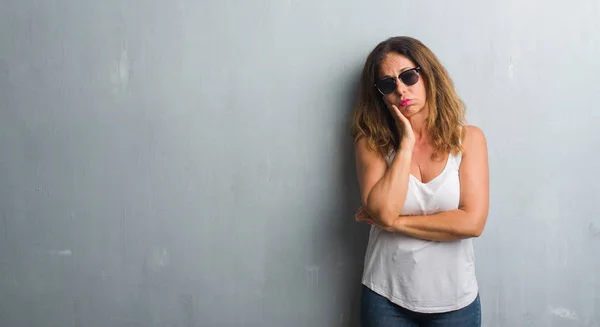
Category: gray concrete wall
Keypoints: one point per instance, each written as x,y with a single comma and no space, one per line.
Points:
188,163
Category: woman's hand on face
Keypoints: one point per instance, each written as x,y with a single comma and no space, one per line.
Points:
407,135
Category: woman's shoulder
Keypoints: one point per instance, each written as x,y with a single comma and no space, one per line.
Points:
472,132
473,139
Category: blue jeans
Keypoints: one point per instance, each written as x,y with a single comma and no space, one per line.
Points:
378,311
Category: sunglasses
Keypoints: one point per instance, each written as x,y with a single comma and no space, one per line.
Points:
408,77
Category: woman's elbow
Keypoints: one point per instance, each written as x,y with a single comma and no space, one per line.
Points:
468,232
386,219
477,226
383,216
475,232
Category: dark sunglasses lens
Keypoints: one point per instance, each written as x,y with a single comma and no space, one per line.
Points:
386,86
409,78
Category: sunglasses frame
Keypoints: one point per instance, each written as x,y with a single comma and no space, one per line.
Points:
416,69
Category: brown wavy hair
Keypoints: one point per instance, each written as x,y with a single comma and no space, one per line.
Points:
372,119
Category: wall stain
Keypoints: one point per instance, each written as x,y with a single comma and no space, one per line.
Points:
595,231
312,276
188,308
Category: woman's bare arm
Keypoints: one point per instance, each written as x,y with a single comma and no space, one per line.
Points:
383,189
470,218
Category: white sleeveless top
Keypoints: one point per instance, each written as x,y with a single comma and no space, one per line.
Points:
418,275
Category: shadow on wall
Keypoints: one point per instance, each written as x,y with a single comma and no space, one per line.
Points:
352,235
325,289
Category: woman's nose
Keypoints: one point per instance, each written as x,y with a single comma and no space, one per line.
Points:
400,87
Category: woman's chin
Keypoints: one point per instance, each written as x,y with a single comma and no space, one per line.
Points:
411,110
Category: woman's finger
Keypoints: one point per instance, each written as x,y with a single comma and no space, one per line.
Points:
400,115
362,215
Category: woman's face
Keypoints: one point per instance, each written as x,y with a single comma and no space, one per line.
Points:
408,97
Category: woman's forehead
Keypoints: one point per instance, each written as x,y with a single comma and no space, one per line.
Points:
393,64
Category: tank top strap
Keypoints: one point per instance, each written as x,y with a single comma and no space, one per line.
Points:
457,158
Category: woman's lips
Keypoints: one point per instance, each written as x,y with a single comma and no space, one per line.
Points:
405,102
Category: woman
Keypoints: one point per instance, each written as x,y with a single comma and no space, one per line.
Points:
423,176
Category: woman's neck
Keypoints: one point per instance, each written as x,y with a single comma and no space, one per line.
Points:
418,123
